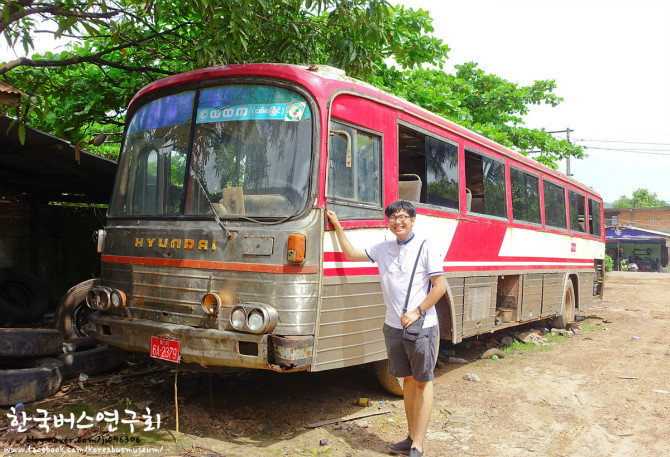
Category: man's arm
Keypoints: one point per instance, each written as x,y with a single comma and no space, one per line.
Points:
438,290
347,248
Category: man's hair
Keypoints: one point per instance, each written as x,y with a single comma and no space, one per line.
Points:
400,205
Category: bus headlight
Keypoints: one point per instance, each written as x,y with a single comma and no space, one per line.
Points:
254,318
255,321
99,298
238,318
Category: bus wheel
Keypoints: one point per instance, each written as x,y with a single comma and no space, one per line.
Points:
568,310
389,382
72,313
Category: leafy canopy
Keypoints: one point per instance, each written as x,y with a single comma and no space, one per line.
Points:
641,198
120,46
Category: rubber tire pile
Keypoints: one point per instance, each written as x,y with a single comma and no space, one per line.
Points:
34,362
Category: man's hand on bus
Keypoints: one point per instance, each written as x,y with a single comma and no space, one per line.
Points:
347,248
332,217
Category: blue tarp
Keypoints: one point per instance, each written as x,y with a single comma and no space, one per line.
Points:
623,234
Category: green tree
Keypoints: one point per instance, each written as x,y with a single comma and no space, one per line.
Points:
485,103
642,198
120,46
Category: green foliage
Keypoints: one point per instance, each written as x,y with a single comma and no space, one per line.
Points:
642,198
485,103
122,45
609,263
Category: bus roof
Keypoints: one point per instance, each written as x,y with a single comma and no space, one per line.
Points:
324,81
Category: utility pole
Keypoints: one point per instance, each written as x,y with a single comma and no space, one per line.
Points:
567,159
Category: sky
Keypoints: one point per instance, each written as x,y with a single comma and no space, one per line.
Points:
611,63
610,60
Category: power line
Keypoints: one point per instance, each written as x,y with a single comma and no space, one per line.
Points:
658,152
625,142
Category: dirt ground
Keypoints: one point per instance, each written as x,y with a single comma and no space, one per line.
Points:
605,392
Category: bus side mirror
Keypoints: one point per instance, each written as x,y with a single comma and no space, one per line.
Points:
348,137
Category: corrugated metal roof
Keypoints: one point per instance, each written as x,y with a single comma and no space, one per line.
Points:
45,169
6,88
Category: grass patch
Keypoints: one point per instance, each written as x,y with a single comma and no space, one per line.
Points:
593,327
520,346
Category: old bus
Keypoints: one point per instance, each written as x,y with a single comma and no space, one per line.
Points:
217,251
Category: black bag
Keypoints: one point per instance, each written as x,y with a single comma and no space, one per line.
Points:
412,332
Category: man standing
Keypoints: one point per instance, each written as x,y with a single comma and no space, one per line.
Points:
413,361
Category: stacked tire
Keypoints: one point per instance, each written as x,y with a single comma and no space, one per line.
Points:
89,356
23,296
30,369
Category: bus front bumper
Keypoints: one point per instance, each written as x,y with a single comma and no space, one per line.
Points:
207,347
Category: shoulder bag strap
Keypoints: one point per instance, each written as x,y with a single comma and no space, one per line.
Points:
411,278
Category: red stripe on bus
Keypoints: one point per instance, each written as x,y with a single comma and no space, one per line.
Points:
340,271
339,257
212,265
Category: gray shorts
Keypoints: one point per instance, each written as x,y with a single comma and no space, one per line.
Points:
411,358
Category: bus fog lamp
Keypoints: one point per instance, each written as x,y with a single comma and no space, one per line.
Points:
211,303
118,298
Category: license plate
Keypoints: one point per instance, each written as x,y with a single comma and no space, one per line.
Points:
165,349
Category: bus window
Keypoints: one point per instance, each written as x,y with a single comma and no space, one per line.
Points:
485,179
428,169
577,212
153,160
354,186
554,205
594,217
252,152
525,197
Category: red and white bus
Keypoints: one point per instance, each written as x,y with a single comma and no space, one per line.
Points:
217,251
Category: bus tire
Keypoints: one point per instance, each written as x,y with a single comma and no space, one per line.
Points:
30,342
389,382
91,360
72,313
23,297
567,309
25,380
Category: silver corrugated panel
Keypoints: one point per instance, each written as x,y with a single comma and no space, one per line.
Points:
480,304
552,293
531,303
174,294
351,319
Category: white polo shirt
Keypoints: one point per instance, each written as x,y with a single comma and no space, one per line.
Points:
396,261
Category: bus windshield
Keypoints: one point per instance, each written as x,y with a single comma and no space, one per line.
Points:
250,154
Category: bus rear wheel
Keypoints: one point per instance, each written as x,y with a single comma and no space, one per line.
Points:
568,309
389,382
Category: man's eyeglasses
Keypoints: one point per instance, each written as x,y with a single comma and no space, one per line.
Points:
400,218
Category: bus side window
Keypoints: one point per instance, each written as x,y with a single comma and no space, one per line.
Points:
427,169
554,205
485,178
577,212
354,182
594,217
525,196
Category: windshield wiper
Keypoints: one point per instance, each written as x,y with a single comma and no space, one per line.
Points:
211,206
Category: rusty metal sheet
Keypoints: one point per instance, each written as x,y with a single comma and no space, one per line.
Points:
258,245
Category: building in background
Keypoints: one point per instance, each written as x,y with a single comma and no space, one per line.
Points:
656,219
648,249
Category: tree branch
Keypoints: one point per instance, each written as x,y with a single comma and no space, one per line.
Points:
54,10
95,58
